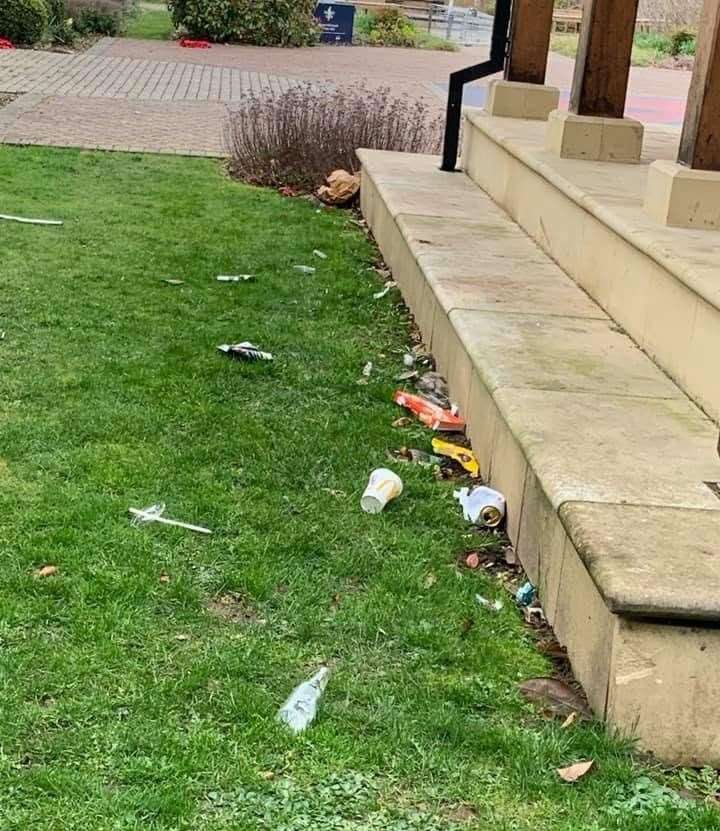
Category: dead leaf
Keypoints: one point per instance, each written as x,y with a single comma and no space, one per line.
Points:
575,772
466,626
569,721
552,649
472,560
555,697
404,421
336,600
182,637
47,571
430,580
164,578
267,775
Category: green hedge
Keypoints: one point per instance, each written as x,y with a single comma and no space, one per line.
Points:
259,22
23,21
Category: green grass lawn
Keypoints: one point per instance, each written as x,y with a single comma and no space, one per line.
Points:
154,24
128,701
647,49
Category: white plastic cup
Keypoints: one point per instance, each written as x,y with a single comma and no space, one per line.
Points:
383,486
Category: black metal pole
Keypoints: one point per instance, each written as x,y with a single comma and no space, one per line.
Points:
498,52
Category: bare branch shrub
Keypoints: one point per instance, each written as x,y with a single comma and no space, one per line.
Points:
672,14
669,14
297,137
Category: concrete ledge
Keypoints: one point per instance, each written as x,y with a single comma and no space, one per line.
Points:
601,457
571,136
681,197
512,99
660,284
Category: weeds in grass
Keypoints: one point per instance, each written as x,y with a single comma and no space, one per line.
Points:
297,137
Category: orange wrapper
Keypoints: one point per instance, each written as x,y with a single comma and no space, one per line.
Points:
430,414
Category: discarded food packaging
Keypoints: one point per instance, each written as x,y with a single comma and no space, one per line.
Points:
430,414
419,457
525,595
154,513
244,351
462,455
300,708
383,486
190,43
340,189
27,221
492,605
389,284
482,505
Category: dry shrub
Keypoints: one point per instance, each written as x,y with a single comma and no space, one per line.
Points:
297,137
104,17
671,14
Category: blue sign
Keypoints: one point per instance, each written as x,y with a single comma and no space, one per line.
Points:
336,21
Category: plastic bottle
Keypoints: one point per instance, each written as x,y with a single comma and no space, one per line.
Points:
301,706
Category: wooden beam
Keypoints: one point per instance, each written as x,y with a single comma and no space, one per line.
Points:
529,41
700,141
602,65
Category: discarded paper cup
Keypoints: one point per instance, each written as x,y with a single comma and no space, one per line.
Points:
383,486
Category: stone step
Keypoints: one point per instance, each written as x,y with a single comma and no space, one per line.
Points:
602,457
661,284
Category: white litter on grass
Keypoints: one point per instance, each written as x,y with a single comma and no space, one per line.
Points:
304,269
155,514
366,373
300,708
492,605
320,254
245,351
481,505
234,278
389,284
27,221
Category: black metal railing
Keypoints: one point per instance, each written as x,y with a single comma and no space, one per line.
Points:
496,63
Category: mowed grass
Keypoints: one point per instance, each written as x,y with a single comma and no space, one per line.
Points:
126,702
153,24
648,50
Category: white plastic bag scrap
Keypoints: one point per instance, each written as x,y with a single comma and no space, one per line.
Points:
482,505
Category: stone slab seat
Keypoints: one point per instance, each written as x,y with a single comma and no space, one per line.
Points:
602,457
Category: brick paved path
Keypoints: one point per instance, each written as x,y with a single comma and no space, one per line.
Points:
155,96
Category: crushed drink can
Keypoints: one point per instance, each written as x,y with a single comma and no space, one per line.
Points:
482,505
244,351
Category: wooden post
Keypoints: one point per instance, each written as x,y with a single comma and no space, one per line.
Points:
529,41
602,65
700,141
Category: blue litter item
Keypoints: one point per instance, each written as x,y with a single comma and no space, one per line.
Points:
526,594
